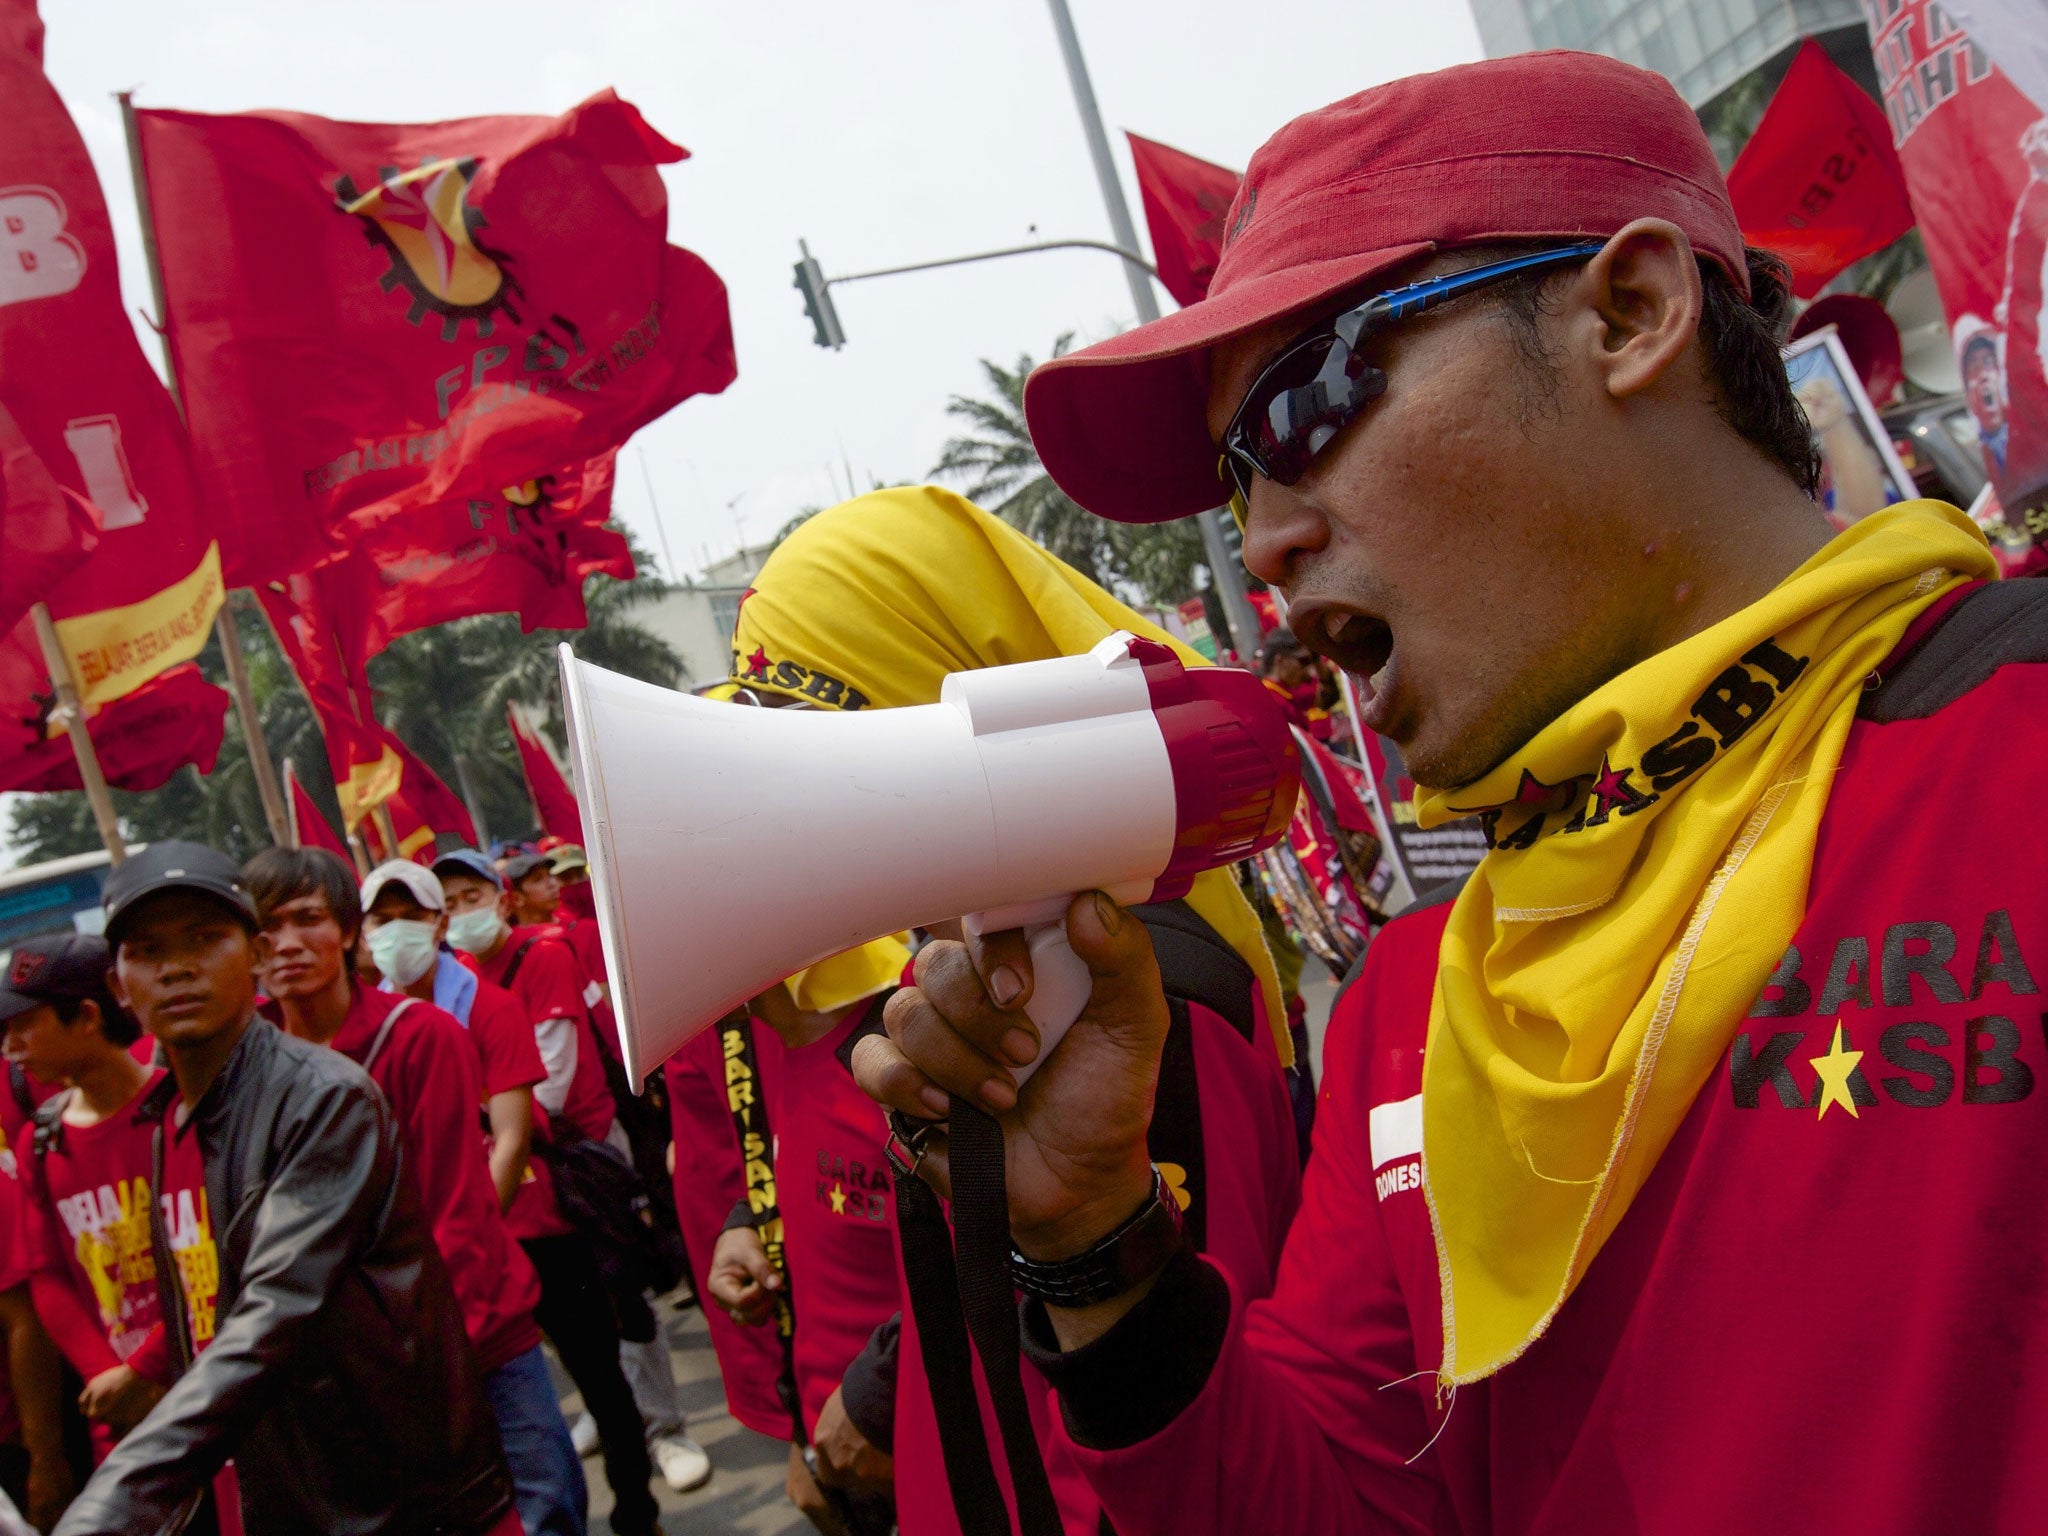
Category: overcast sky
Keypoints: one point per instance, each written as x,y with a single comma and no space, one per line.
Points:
883,131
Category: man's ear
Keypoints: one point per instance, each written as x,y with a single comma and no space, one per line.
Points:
260,949
508,907
1641,301
440,929
114,986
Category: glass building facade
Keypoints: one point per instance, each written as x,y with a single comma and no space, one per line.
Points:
1702,46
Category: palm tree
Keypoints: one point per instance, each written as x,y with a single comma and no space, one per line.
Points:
1002,471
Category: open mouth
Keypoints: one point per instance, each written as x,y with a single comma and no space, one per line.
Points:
1360,643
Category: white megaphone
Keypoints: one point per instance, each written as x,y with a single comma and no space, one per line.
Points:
731,847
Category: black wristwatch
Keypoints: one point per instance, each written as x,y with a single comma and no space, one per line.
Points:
1128,1257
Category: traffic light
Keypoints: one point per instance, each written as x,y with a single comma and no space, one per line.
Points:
810,282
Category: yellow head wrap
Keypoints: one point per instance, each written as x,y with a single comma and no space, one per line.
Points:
873,602
849,977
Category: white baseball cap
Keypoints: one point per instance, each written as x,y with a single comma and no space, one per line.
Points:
424,884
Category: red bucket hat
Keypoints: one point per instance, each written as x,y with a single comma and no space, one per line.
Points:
1539,146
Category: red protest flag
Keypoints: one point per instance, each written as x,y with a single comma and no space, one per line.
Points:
553,801
1186,202
86,401
45,531
527,551
141,739
310,829
422,810
360,754
375,318
1819,182
1974,145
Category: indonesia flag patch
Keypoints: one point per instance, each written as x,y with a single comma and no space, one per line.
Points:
1395,1131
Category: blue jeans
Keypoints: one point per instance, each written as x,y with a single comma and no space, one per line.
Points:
547,1477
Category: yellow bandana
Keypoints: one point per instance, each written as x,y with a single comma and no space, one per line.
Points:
850,976
1652,848
873,602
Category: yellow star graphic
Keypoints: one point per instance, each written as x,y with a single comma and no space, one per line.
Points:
838,1194
1834,1069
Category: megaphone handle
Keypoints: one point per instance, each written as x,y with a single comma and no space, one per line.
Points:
1060,987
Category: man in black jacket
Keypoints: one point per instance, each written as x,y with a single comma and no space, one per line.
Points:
321,1342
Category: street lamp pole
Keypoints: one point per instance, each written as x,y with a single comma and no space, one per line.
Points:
1223,565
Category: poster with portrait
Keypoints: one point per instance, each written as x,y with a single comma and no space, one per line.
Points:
1965,85
1860,470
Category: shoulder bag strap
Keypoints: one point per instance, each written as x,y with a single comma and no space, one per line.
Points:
384,1032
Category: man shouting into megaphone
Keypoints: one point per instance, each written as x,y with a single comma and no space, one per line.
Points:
1680,1171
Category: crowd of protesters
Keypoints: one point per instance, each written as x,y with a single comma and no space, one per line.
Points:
306,1167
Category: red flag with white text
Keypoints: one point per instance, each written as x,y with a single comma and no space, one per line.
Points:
1969,116
88,405
46,531
379,318
1186,201
1819,182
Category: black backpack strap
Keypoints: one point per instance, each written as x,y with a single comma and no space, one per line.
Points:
1195,964
988,1299
1988,627
24,1096
512,965
48,1124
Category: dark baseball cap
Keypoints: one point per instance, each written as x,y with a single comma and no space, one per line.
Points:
467,861
1540,146
55,968
176,866
520,865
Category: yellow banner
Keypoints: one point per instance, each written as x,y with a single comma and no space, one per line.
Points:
114,651
368,786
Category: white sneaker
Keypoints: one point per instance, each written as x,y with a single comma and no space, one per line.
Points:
682,1461
583,1434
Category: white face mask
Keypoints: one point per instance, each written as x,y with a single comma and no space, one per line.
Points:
404,950
476,931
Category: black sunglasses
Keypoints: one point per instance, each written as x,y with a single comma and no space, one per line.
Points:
1317,387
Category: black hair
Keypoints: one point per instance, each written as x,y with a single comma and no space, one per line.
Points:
1740,338
278,875
117,1024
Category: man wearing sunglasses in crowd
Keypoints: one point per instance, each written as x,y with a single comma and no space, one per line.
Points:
1677,1171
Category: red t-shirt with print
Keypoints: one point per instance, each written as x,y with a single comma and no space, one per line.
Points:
710,1179
428,1068
86,1225
833,1184
1821,1312
188,1225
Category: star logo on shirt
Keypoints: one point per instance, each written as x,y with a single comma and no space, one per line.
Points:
1833,1070
838,1196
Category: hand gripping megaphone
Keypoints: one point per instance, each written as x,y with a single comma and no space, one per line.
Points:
731,847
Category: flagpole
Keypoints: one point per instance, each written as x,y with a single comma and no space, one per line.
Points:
1224,567
291,806
72,716
260,764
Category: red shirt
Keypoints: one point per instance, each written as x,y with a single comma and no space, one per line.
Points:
188,1225
709,1181
85,1224
429,1071
1810,1318
550,983
14,1271
504,1041
833,1185
582,936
